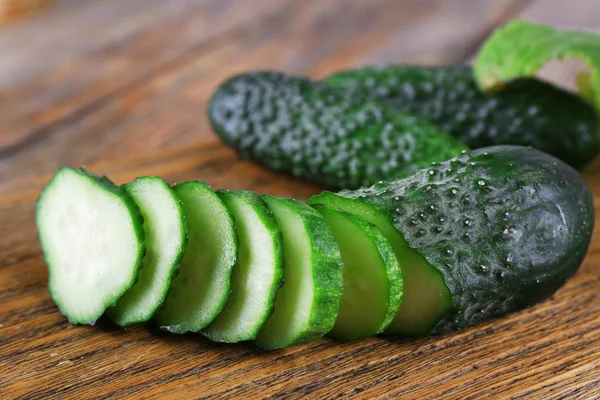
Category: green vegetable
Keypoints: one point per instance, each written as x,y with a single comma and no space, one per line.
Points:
308,303
520,49
478,236
166,238
426,297
257,273
201,288
506,226
525,112
317,133
372,278
92,236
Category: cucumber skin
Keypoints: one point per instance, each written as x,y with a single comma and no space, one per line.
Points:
459,225
266,216
389,259
137,221
318,133
175,270
550,119
328,199
177,329
328,279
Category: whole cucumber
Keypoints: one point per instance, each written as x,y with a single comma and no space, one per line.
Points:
318,133
526,112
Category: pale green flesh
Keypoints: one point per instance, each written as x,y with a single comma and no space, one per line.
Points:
201,289
294,301
257,272
165,228
90,244
426,296
366,285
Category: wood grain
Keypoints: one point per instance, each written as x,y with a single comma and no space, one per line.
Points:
132,103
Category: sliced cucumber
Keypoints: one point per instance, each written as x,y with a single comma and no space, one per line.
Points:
92,236
426,296
201,288
308,303
166,238
257,273
372,276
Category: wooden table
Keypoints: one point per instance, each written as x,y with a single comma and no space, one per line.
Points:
121,86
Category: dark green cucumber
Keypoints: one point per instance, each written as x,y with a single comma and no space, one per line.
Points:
425,296
317,133
372,277
506,226
525,112
92,236
308,303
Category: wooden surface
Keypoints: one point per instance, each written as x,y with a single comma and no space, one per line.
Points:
121,86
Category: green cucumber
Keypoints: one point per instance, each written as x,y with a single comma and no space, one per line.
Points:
372,278
525,111
426,298
308,303
506,226
92,236
200,290
166,238
318,133
257,273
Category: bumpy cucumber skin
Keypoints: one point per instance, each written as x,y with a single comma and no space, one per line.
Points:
137,222
390,261
266,217
525,112
506,226
116,316
331,200
317,133
327,274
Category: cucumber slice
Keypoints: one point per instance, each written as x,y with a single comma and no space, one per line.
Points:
372,276
308,303
92,237
257,273
166,239
426,297
202,287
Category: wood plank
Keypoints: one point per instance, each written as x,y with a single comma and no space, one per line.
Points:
146,117
553,346
76,87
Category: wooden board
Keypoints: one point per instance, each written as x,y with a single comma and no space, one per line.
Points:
129,100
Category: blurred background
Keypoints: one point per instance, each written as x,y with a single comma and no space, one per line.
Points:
90,81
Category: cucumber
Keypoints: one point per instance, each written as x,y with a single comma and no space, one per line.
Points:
317,133
506,226
257,273
92,237
308,303
525,112
200,290
166,238
372,278
426,298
